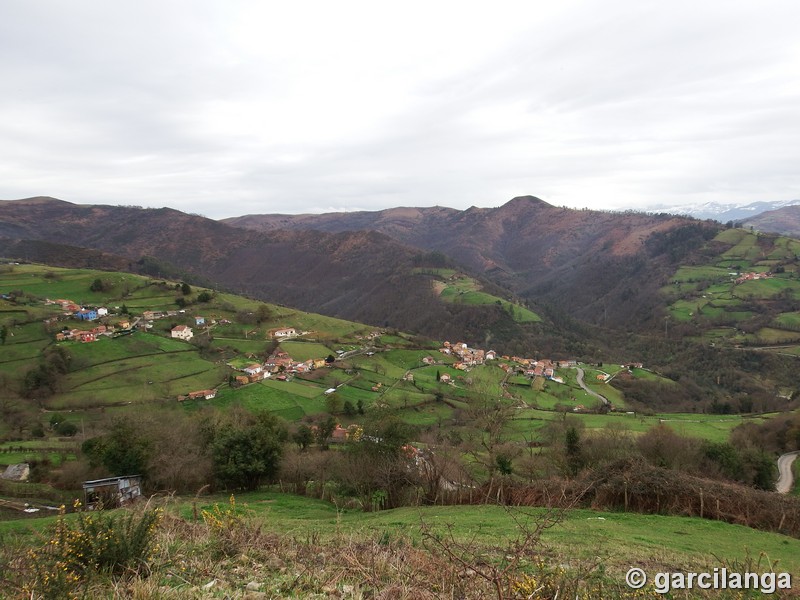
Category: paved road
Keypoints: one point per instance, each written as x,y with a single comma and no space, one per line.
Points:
786,479
602,399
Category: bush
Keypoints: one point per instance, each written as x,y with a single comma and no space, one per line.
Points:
66,428
94,543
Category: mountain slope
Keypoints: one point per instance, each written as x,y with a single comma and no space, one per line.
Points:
785,221
343,268
599,266
364,276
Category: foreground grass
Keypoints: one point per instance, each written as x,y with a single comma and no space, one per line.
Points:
290,546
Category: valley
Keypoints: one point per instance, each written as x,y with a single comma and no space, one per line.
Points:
106,372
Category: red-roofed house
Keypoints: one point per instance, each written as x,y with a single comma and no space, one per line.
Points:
182,332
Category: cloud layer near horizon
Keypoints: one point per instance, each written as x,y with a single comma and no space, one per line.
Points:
250,107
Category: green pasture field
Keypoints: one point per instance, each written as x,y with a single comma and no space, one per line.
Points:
141,301
746,249
770,335
427,415
21,356
321,327
384,366
406,359
251,346
650,376
465,290
303,351
715,428
258,397
790,319
354,394
722,300
684,310
721,291
70,284
13,458
366,378
768,288
107,350
303,389
405,397
785,248
731,236
705,273
393,340
171,375
240,362
792,350
617,539
54,449
10,313
27,332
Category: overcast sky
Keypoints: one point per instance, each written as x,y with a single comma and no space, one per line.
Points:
233,107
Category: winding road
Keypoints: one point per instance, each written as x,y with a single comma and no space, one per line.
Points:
586,389
786,479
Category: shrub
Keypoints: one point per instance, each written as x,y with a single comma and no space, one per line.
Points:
229,532
94,543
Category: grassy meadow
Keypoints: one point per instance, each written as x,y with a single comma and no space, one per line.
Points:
709,297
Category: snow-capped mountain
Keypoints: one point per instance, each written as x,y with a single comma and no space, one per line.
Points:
724,212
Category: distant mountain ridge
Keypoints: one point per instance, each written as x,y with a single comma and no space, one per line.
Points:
567,265
540,252
281,265
724,212
784,221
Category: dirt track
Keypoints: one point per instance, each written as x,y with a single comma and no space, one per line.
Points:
786,479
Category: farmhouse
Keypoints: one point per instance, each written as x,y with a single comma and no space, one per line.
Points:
182,332
253,369
283,333
86,314
205,394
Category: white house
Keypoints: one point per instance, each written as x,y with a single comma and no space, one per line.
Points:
286,332
182,332
102,312
253,369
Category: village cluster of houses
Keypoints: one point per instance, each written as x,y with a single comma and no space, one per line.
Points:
82,335
279,364
470,357
81,313
752,277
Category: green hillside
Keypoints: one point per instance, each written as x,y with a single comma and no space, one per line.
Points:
746,292
457,288
135,399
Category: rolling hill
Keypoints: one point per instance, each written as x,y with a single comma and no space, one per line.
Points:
784,221
364,276
600,267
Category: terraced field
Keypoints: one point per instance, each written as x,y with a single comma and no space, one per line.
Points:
709,297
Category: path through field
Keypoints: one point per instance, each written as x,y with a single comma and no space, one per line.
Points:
786,478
